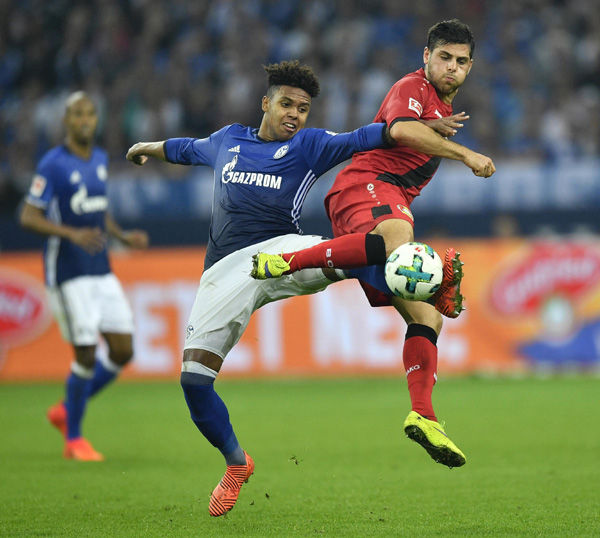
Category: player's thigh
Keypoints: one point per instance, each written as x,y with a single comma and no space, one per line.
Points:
395,232
227,295
116,315
418,312
77,310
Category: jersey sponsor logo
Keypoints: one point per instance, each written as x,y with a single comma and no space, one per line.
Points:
75,177
258,179
37,186
102,172
413,104
81,203
281,152
23,311
234,149
406,211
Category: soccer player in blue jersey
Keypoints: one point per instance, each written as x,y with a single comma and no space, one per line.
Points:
67,203
262,177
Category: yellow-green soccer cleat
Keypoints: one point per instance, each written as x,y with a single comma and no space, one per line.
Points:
268,266
432,437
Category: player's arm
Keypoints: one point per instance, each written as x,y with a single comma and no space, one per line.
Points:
420,137
32,218
131,238
140,152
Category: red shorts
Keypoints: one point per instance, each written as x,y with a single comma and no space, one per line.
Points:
359,207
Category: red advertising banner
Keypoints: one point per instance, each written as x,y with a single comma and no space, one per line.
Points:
530,305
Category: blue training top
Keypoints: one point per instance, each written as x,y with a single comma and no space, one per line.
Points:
260,186
72,191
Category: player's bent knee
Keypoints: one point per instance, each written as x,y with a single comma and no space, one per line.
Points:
419,312
204,357
122,356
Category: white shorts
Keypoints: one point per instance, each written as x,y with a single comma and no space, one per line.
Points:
228,295
86,306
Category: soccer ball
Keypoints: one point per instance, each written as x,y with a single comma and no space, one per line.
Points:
414,271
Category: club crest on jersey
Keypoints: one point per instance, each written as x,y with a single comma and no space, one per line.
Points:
281,152
413,104
37,186
406,211
75,177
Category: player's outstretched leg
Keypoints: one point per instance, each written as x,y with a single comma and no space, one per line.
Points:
268,266
432,437
57,416
448,299
225,495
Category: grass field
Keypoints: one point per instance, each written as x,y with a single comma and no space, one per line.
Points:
331,460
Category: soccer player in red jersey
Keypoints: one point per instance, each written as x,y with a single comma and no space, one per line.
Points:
369,207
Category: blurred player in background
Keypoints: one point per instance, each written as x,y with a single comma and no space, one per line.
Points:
369,204
67,202
262,177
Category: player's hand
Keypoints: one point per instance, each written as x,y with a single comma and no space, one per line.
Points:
481,165
136,154
92,240
447,126
135,239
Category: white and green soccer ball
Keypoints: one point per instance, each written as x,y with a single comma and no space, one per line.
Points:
414,271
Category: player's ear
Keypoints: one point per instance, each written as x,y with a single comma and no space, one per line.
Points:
426,54
265,103
470,66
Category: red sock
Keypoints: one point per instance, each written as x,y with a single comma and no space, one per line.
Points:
420,362
344,252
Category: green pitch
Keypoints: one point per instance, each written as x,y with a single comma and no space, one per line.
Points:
331,460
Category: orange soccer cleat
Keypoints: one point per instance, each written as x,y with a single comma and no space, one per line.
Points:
448,299
80,449
225,495
57,415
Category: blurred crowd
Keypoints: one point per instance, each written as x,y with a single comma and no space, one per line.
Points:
163,68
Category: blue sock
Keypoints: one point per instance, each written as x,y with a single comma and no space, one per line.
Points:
77,394
210,415
373,275
103,376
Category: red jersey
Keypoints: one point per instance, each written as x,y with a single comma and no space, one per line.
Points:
411,98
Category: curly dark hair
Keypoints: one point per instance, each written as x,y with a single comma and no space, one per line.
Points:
291,73
451,32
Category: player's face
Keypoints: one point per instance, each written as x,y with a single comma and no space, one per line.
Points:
81,121
446,67
285,113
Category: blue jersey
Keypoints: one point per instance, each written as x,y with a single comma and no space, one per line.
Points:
71,191
260,186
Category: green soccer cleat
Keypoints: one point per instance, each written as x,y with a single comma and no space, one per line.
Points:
432,437
268,266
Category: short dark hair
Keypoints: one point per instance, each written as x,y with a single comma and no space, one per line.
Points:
450,32
291,73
